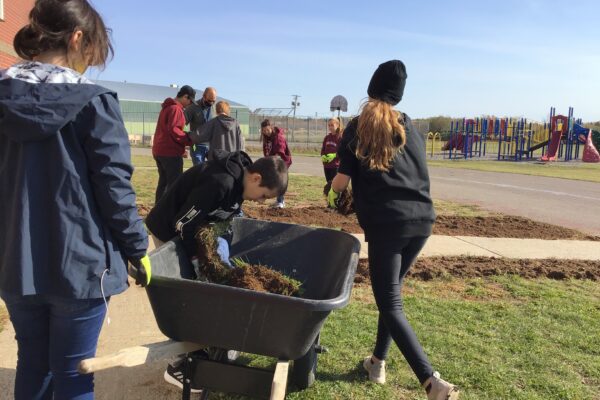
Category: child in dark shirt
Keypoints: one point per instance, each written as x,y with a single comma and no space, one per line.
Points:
384,156
329,157
214,190
274,144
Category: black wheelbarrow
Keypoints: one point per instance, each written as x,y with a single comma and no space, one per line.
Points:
197,314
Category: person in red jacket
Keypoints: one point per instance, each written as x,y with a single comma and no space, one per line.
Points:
170,140
274,144
331,162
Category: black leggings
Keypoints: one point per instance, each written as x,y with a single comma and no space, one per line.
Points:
389,261
330,173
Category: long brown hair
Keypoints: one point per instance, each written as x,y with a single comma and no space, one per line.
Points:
339,129
53,22
381,135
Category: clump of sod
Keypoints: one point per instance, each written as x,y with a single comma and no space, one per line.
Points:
345,202
243,275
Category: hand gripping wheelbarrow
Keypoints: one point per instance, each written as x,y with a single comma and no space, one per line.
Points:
195,314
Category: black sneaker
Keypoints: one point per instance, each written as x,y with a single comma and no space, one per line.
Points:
174,374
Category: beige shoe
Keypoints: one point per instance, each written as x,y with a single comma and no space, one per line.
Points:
376,370
439,389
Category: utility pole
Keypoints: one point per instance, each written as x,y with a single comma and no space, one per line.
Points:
295,104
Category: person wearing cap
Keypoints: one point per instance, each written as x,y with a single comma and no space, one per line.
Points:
383,155
168,146
198,114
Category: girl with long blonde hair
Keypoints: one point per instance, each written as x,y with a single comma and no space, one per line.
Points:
384,157
329,149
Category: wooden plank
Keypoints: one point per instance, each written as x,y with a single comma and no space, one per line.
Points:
280,380
137,355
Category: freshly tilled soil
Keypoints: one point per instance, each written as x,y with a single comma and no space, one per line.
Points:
429,268
506,226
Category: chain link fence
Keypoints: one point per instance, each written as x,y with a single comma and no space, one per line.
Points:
299,131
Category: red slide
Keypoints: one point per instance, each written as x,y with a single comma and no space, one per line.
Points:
553,147
559,125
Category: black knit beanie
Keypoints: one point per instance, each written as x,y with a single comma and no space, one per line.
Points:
387,83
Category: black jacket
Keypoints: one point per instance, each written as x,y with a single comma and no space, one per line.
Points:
390,204
209,191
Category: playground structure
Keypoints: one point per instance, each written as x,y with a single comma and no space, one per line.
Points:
566,137
516,139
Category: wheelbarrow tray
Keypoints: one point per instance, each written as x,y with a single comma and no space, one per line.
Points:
324,260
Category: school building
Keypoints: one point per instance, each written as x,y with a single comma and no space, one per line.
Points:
141,104
14,14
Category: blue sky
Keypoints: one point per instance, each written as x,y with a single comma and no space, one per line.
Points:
463,58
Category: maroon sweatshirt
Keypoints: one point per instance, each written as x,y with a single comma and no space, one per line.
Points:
169,138
330,145
276,145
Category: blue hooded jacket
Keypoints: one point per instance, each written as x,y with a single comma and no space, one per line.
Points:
67,207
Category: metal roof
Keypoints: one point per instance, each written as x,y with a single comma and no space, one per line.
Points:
151,93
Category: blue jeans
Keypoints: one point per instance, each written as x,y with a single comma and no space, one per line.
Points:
53,336
199,153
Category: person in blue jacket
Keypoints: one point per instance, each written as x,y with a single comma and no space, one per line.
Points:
383,155
68,211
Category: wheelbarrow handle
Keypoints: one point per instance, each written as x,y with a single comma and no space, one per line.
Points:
137,355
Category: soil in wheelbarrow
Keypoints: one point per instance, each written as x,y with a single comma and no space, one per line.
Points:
507,226
429,268
243,275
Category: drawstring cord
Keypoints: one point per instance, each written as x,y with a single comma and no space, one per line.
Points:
103,296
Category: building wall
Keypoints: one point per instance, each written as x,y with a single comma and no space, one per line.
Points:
15,15
140,119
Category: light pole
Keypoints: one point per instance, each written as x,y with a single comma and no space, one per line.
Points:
295,104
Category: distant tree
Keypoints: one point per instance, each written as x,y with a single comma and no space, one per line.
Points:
439,124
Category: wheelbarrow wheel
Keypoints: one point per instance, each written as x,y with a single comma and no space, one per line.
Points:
305,368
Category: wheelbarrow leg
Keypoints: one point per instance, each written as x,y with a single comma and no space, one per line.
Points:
187,378
280,380
188,370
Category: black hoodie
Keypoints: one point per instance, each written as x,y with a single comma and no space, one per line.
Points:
197,195
390,204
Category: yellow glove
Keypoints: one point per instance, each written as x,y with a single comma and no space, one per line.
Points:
141,271
327,158
333,198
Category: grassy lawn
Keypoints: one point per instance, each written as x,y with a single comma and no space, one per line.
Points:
501,338
574,170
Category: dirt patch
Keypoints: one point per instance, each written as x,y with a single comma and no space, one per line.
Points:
243,275
263,279
429,268
506,226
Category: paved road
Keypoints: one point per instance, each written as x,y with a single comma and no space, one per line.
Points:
574,204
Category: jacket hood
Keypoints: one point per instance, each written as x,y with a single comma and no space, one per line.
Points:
169,102
36,111
226,122
234,163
